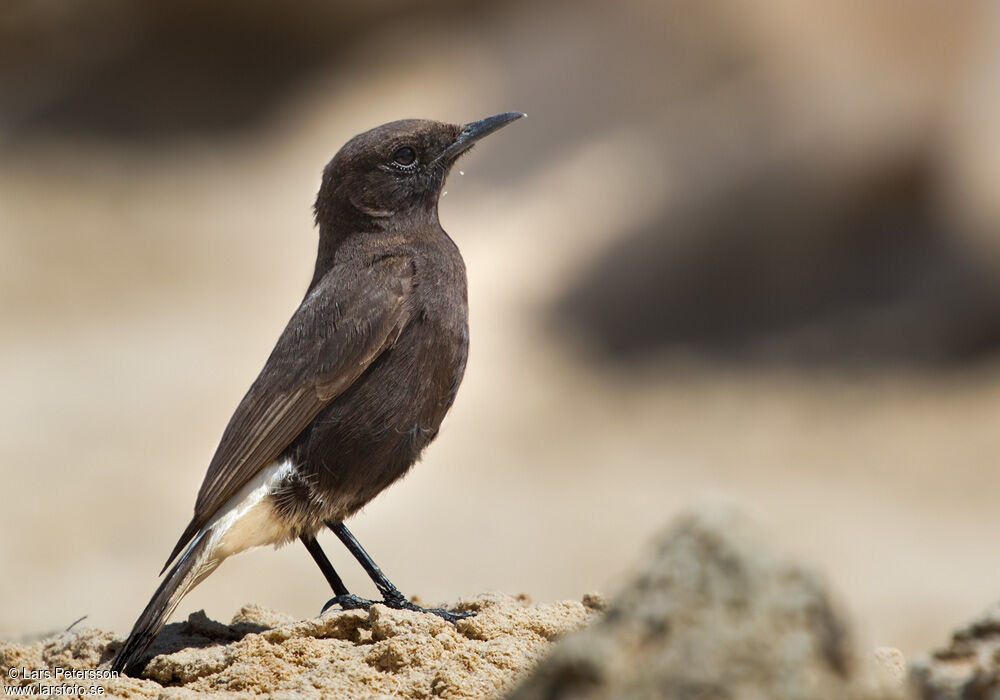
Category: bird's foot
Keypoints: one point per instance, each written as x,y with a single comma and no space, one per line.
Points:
395,601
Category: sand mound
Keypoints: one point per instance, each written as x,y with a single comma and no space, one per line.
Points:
355,654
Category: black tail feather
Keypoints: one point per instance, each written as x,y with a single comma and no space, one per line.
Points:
188,570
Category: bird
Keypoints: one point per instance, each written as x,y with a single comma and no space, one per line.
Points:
358,382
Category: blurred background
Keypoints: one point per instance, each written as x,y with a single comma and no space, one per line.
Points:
745,250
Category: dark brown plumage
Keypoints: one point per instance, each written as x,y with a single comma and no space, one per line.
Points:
359,381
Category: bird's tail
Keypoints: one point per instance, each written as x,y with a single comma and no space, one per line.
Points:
194,565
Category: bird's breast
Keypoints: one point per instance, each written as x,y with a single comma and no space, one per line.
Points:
373,432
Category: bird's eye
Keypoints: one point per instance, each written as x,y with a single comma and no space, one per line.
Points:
404,157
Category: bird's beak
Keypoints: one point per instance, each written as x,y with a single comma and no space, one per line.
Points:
473,131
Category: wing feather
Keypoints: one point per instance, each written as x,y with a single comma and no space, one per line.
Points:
341,327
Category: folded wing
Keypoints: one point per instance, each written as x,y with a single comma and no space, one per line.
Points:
348,320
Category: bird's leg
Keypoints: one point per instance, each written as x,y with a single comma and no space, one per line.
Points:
319,556
343,598
392,597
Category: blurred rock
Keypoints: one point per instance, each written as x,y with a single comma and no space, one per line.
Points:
790,265
805,219
968,668
712,614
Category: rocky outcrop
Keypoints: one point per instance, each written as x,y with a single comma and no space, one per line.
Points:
968,668
712,614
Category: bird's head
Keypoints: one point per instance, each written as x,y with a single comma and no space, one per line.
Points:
397,169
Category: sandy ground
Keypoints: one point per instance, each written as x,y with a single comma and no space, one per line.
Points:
143,292
356,654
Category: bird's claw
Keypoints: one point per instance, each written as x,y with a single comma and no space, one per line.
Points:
348,602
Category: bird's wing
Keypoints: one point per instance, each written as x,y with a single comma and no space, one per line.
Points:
342,326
